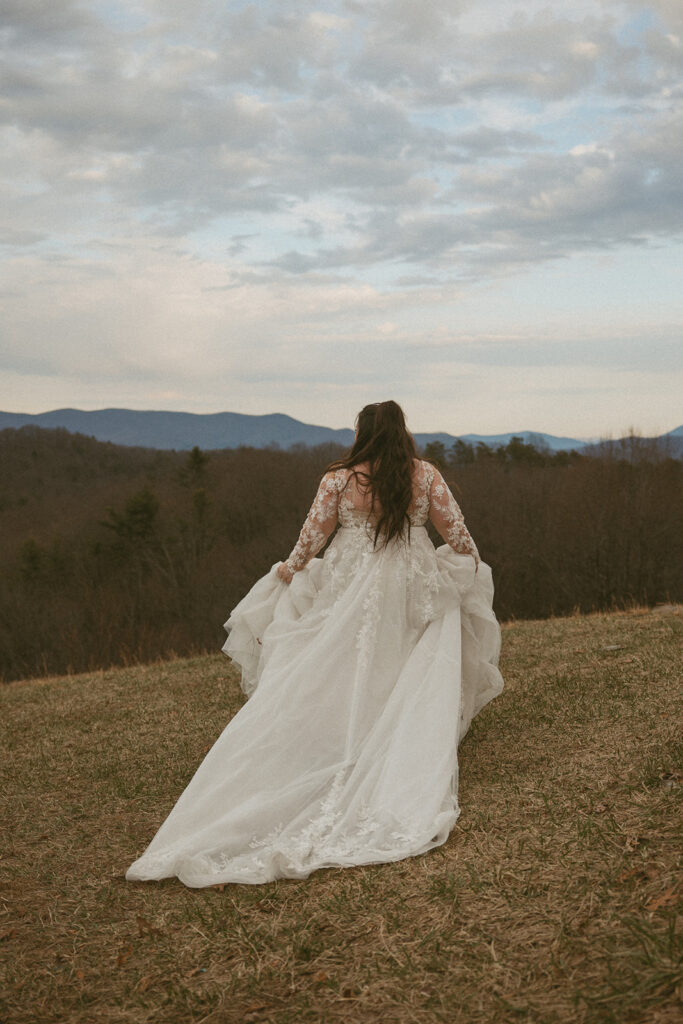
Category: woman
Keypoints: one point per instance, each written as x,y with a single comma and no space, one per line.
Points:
363,670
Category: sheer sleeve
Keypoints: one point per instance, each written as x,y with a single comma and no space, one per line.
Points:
446,516
320,522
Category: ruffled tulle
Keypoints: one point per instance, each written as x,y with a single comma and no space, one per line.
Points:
363,675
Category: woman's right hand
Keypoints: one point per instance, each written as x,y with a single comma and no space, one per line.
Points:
284,573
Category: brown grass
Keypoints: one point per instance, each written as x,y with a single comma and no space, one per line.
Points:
553,900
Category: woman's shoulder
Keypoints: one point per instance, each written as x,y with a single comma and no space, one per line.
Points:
424,468
336,477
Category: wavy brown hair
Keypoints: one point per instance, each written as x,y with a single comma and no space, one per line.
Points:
386,444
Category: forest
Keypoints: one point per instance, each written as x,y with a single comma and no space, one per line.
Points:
114,555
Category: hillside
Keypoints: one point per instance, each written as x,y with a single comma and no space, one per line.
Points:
553,900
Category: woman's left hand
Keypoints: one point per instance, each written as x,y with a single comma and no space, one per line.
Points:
284,573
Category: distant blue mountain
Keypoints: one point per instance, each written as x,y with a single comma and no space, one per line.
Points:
184,430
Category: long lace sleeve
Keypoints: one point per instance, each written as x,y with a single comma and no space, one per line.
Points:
448,519
320,522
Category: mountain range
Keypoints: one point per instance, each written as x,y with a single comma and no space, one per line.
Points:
183,430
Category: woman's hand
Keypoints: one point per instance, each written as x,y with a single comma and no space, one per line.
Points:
284,573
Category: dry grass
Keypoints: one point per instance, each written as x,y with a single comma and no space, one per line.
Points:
553,900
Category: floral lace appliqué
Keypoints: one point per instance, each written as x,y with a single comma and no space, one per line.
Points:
447,517
320,521
339,501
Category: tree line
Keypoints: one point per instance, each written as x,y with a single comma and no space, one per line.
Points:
113,555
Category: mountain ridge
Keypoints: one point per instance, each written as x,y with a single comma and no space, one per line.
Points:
168,430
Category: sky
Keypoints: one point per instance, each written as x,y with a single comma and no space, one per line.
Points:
474,207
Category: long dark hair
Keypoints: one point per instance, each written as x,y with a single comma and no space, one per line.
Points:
385,443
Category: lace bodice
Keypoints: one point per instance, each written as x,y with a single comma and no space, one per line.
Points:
342,501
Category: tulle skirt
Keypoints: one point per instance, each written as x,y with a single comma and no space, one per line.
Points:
363,675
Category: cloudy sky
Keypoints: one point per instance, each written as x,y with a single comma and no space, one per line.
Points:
472,206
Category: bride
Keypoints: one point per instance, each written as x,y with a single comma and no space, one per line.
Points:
363,670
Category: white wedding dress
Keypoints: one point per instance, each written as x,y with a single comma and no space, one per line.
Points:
363,675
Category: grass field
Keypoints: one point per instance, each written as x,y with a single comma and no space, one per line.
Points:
555,898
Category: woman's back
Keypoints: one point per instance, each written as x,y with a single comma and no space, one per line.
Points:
357,495
348,500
